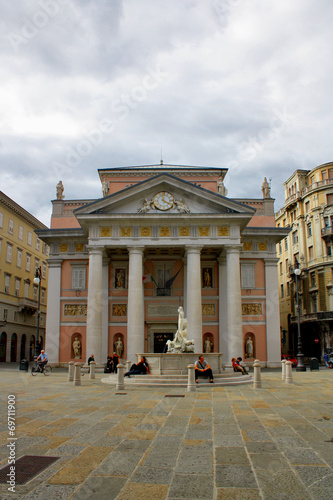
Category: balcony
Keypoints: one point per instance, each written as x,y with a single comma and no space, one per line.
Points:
327,233
27,305
316,316
317,185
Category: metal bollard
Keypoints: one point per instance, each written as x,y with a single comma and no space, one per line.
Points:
289,372
120,377
283,363
257,375
77,374
191,387
92,365
71,371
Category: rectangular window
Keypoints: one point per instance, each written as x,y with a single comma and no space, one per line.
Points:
323,175
312,179
329,250
286,243
248,276
44,270
281,268
280,247
313,280
78,277
307,207
309,226
288,288
37,244
0,246
1,219
287,266
28,263
295,237
5,314
29,238
330,173
35,293
17,287
7,283
36,264
26,289
20,234
282,292
9,253
42,296
11,226
329,197
19,258
311,256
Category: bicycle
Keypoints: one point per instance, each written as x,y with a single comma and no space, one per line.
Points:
47,369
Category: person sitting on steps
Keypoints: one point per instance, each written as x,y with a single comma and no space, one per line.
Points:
237,367
140,368
202,369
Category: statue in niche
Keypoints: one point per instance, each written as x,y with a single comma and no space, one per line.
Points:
60,191
77,348
266,189
249,348
120,278
119,346
207,278
180,343
208,345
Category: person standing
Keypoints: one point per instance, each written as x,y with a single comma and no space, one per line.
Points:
115,361
90,359
202,369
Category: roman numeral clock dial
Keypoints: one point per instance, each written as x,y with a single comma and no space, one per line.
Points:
163,200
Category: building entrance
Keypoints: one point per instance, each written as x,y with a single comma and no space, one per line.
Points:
160,339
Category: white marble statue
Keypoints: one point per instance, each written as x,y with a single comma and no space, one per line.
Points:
77,348
180,343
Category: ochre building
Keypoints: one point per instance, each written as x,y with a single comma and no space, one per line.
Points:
160,237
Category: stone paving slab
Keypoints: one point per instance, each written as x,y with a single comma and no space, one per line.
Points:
216,443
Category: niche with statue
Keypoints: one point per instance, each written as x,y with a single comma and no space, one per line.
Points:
76,346
250,346
208,342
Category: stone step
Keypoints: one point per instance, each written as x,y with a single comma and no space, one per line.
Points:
181,380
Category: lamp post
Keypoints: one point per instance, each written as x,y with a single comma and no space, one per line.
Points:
37,281
300,361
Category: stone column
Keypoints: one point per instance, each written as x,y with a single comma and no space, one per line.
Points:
135,316
52,337
95,305
77,374
234,303
193,299
223,308
273,336
105,310
120,385
71,371
191,387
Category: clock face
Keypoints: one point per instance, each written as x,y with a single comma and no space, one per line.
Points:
163,200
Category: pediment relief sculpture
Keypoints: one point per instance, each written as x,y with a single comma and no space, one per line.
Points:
163,201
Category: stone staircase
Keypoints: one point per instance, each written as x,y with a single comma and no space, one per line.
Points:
220,380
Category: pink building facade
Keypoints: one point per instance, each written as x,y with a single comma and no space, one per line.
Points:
160,237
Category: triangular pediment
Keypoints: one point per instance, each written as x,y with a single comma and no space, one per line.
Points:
164,195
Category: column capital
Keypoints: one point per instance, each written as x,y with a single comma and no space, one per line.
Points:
271,261
233,248
193,249
136,249
54,262
94,249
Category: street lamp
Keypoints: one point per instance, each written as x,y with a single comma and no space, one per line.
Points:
37,281
300,361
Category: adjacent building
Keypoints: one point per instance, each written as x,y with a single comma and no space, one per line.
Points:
160,237
21,254
308,213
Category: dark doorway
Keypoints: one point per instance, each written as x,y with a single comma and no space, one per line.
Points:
160,339
23,344
3,347
13,348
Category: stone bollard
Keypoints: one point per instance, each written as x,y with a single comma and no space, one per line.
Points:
289,372
257,375
92,365
191,387
129,364
77,374
120,377
71,371
283,363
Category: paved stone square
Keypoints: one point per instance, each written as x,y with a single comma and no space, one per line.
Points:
216,443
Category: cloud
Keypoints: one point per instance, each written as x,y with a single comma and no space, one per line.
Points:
242,85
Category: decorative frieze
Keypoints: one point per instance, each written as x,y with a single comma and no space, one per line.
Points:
79,247
262,246
247,246
63,247
208,309
252,309
105,232
75,310
165,232
203,231
125,232
145,231
184,231
223,231
119,309
163,310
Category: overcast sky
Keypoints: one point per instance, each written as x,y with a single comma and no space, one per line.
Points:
87,84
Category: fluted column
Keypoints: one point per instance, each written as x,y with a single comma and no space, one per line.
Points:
193,299
95,305
223,308
273,335
135,313
52,340
234,303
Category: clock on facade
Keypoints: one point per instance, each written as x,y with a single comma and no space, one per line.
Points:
163,200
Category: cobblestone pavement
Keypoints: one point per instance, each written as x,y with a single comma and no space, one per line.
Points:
216,443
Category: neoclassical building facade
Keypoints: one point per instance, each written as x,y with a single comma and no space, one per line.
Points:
160,237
